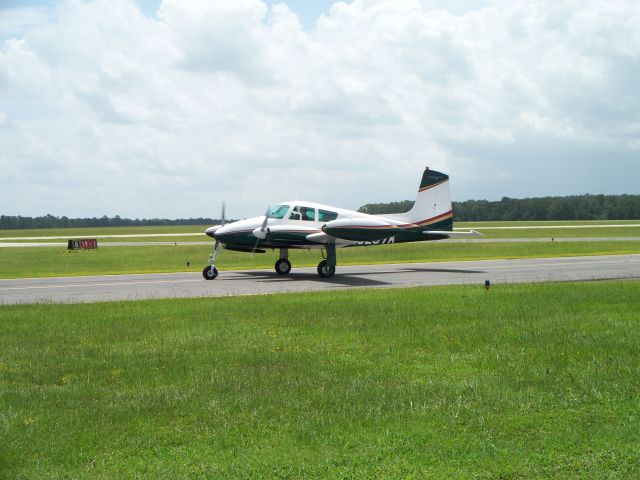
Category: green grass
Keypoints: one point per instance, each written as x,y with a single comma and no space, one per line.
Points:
57,261
521,381
559,232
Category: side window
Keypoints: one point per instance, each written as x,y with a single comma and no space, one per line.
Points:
308,214
326,215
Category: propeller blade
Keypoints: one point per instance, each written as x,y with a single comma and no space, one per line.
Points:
261,233
255,246
223,220
266,219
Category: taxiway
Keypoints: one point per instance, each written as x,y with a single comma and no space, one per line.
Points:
255,282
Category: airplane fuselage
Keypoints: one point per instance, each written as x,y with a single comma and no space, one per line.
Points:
300,220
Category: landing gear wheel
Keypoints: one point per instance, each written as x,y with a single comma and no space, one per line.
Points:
210,272
326,271
283,266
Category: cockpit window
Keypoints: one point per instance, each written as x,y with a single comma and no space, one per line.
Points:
279,211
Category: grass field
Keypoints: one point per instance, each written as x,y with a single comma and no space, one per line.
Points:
587,229
521,381
57,261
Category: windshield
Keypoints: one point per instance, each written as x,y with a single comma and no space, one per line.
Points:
279,211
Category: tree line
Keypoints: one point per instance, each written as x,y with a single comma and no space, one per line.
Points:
575,207
8,222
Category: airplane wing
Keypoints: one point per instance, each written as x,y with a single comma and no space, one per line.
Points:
323,238
292,234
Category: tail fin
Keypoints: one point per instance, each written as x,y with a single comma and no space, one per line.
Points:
433,203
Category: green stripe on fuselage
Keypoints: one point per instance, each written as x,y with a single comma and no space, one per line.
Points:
273,240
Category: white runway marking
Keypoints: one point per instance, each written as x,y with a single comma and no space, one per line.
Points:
87,285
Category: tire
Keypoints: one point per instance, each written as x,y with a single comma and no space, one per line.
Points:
326,271
210,272
283,266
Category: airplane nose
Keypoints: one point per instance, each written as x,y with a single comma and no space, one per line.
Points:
211,231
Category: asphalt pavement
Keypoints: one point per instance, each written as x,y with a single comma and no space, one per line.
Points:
256,282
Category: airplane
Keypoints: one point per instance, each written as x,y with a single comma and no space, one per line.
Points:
310,225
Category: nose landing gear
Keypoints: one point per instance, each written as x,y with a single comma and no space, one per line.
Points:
210,272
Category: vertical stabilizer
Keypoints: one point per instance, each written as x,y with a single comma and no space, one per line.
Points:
432,208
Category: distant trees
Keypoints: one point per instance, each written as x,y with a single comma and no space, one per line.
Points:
50,221
575,207
391,207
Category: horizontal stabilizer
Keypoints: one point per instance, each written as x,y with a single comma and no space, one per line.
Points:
450,234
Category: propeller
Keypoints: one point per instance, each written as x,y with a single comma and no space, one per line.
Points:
262,232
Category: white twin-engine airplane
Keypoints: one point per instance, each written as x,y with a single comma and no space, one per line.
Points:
299,224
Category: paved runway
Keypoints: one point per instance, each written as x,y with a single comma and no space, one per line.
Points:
251,282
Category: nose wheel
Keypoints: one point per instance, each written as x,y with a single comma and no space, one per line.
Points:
210,272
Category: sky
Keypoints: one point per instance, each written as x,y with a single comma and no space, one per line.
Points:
167,108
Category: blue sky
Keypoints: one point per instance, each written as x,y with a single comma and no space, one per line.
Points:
308,10
119,107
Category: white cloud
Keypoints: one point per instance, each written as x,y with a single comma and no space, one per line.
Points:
106,110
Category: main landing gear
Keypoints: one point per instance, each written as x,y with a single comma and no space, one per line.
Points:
325,270
327,267
283,265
